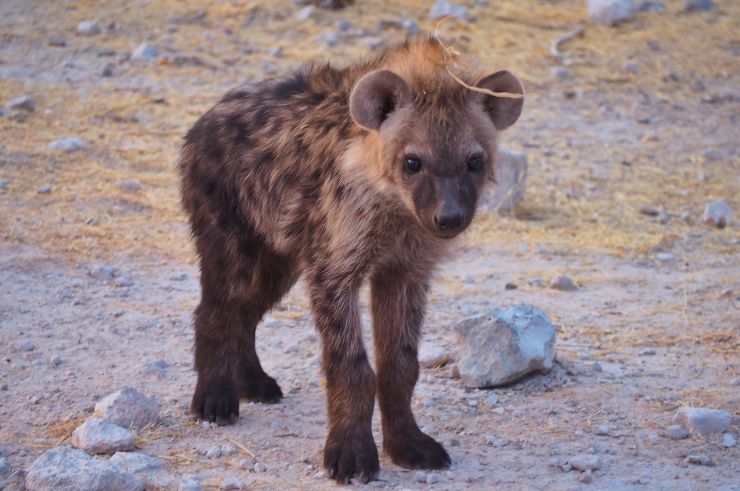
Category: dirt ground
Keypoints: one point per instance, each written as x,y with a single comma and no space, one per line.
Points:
644,114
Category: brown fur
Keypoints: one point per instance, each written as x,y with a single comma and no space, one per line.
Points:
280,181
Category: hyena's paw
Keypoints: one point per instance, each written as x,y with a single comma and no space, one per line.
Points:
348,455
415,450
262,388
216,402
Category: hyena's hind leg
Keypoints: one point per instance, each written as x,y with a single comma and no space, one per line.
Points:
241,279
272,277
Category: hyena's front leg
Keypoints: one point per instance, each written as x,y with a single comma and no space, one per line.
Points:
350,449
398,302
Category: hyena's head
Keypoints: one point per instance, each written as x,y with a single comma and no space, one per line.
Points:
438,141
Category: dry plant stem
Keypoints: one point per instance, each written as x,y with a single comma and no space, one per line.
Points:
554,47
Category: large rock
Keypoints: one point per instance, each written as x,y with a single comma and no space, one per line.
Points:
95,436
510,175
67,469
700,420
610,12
128,407
504,346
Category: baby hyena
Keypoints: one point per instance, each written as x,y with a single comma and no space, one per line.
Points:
338,175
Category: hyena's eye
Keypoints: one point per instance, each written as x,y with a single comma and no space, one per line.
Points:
411,164
475,162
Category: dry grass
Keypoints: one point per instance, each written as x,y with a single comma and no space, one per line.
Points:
86,216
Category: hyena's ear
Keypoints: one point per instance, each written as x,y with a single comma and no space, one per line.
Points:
377,95
503,111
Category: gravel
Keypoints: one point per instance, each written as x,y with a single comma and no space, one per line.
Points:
699,420
95,436
128,407
611,12
68,469
504,346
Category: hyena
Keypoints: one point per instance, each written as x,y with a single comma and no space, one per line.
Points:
338,175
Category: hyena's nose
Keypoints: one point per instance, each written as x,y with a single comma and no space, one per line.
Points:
449,218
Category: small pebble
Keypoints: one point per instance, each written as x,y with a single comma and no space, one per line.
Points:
700,459
145,52
246,464
24,102
676,432
420,477
586,477
432,478
728,440
88,28
213,453
26,346
562,283
718,213
602,430
585,462
69,144
260,467
128,185
511,286
228,449
44,190
233,483
698,5
665,257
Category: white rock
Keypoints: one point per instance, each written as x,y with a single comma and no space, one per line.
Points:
68,469
505,345
135,462
699,420
676,432
190,484
88,28
610,12
585,462
70,144
718,213
602,430
213,453
445,8
728,440
128,407
95,436
145,52
510,173
432,356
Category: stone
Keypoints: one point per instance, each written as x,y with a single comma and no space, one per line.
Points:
228,449
55,359
128,185
69,144
135,462
5,467
128,407
44,190
190,484
510,179
698,5
24,102
88,28
585,462
233,483
651,6
123,281
504,346
213,453
305,13
432,478
700,459
57,41
145,52
420,477
611,12
260,467
560,73
69,469
665,257
586,477
246,464
676,432
95,436
445,8
432,356
562,283
718,213
3,185
26,346
702,421
728,440
602,430
103,272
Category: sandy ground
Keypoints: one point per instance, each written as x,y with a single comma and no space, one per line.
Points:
640,338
